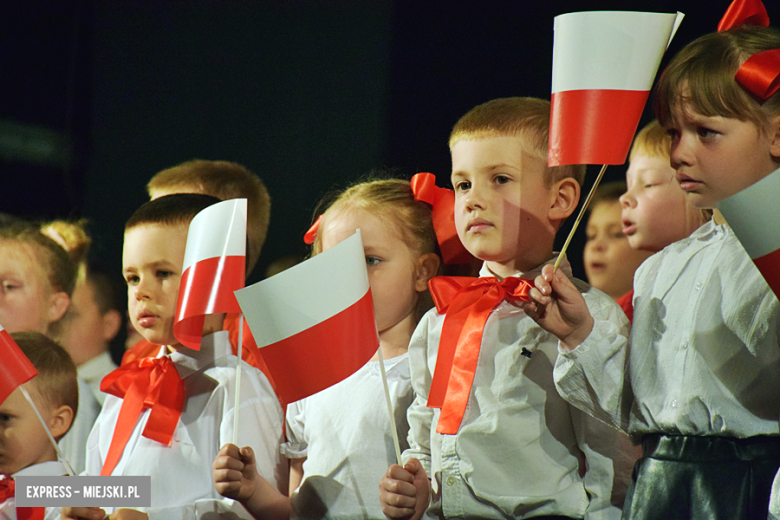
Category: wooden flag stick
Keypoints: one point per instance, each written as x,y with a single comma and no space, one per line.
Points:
62,458
238,377
579,217
389,407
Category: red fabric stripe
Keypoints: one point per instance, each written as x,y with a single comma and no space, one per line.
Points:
769,265
15,368
593,126
193,304
324,354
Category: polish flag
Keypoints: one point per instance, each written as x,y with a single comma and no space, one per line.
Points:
604,63
314,323
15,368
214,267
754,216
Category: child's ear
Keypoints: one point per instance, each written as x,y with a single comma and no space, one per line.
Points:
774,134
112,321
60,421
565,196
427,266
58,304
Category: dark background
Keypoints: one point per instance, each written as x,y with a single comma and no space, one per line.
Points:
97,96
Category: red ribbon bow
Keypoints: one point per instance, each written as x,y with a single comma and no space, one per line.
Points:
760,74
7,488
144,383
442,203
311,234
468,303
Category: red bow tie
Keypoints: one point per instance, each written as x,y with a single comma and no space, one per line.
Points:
144,383
7,488
468,303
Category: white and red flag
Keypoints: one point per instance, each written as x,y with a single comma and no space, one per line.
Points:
314,323
214,267
754,216
604,63
15,368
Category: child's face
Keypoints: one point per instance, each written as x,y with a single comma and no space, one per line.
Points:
25,296
23,441
86,331
716,157
390,262
152,261
609,260
655,210
502,204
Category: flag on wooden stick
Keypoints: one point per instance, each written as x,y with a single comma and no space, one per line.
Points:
314,323
754,216
604,63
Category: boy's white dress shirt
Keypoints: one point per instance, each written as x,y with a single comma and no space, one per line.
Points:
44,469
704,352
182,487
518,451
344,431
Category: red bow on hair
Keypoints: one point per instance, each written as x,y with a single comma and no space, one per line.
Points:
468,303
311,234
7,488
760,74
144,383
442,203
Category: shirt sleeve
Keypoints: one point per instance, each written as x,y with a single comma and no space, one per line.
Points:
296,446
419,415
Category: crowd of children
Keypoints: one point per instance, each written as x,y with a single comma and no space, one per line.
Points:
520,392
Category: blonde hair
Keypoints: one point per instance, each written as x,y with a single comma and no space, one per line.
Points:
702,74
651,141
73,238
56,380
523,117
392,200
223,180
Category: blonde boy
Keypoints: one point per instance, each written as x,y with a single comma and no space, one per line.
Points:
520,450
25,448
155,238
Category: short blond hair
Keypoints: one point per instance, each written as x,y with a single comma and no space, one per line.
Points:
223,180
651,141
524,117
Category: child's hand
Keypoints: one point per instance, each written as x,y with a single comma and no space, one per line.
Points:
405,492
558,307
234,472
88,513
128,514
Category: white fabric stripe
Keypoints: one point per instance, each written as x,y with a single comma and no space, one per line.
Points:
612,50
219,230
754,215
307,294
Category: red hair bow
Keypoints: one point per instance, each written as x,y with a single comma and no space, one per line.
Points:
442,203
311,234
744,12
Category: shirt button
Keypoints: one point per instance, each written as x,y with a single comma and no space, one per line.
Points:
685,344
698,286
674,405
450,481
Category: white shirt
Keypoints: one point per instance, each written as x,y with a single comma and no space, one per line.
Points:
44,469
93,372
182,487
704,356
74,443
516,454
344,431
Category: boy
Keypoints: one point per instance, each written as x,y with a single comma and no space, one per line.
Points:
223,180
519,451
25,448
155,238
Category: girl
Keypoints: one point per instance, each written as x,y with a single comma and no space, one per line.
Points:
340,440
702,389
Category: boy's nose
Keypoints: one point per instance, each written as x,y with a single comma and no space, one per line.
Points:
474,199
140,291
627,200
680,154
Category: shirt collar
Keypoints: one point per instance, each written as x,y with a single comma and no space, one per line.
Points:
212,347
96,368
564,266
52,468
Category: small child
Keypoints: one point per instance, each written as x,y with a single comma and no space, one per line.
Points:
340,438
699,383
25,449
155,238
609,260
516,449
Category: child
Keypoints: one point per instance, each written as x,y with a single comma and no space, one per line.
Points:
609,260
519,450
155,238
25,449
340,439
655,212
223,180
700,383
